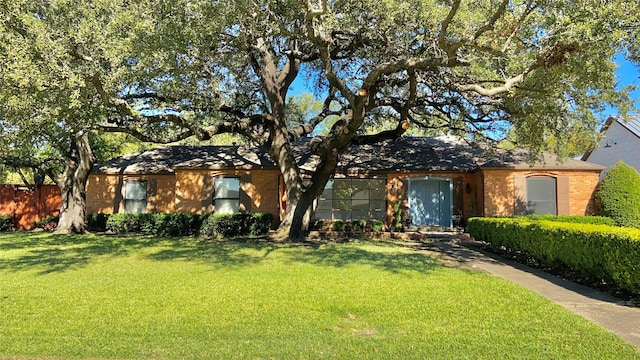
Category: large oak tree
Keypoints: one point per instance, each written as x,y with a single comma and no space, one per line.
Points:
482,69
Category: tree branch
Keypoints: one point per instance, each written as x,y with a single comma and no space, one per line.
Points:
491,23
306,129
507,85
394,134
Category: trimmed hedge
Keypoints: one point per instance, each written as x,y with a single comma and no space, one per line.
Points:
595,220
5,223
183,224
596,252
97,222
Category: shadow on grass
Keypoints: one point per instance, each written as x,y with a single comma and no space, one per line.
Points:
47,253
337,255
220,253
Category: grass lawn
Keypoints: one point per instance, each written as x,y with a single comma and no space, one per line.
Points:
107,297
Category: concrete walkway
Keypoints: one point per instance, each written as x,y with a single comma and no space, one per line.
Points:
603,309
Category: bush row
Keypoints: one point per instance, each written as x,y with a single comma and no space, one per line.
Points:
596,252
595,220
349,225
183,224
5,223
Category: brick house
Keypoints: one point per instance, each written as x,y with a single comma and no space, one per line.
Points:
435,182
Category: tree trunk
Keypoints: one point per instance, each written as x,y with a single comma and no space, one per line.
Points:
73,186
300,210
301,217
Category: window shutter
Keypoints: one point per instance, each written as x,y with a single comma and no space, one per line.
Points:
562,194
520,195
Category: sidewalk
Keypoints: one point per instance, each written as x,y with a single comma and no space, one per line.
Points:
603,309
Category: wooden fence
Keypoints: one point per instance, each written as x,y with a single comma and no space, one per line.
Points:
26,204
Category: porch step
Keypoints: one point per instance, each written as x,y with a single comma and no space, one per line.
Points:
434,229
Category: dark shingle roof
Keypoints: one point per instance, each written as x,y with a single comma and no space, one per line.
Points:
444,153
165,159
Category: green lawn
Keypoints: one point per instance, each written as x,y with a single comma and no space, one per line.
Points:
106,297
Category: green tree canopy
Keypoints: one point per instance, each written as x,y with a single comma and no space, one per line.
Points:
165,71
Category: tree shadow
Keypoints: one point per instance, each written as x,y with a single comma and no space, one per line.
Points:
216,253
48,253
384,256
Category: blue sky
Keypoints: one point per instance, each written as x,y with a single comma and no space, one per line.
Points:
627,74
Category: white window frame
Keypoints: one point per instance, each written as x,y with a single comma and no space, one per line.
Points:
134,199
226,200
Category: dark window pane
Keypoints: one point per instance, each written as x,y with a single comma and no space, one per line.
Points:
541,195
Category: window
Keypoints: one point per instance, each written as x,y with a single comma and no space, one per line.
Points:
135,196
226,198
541,195
352,199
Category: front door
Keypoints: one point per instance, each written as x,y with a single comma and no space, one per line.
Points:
430,202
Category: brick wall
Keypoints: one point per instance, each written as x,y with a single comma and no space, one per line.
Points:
186,191
501,195
194,190
105,192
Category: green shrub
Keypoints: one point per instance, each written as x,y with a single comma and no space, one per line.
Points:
97,222
124,223
338,225
158,224
175,224
397,218
595,220
377,225
358,225
618,195
261,223
186,224
48,223
5,223
227,225
596,252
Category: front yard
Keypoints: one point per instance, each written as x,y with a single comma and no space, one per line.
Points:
109,297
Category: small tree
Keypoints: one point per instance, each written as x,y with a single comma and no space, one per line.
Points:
618,195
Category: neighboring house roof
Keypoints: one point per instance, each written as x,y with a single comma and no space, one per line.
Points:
632,124
443,153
